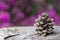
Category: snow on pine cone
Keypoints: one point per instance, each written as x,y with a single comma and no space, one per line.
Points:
44,24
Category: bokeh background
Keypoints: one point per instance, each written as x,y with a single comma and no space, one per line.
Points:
24,12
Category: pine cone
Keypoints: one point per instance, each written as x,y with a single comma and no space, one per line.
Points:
44,24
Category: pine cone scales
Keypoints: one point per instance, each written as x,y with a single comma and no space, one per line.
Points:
44,24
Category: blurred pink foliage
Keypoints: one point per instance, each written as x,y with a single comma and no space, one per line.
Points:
4,19
19,12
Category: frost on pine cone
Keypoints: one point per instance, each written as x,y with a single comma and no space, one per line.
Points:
44,25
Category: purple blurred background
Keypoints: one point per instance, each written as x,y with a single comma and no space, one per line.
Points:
24,12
